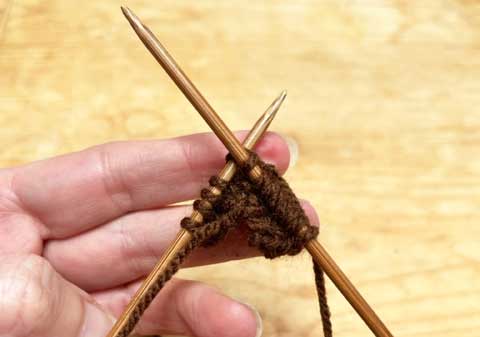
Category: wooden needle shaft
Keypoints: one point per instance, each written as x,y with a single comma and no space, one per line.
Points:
240,155
341,281
183,236
185,85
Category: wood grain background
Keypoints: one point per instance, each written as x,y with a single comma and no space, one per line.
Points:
383,102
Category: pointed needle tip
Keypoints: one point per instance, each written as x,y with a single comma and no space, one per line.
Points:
124,10
283,95
273,109
131,17
279,101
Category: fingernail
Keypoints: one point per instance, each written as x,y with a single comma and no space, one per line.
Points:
293,149
258,319
96,322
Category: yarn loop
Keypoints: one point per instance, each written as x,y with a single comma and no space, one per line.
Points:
276,223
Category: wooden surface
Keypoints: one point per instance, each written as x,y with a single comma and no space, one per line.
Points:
383,101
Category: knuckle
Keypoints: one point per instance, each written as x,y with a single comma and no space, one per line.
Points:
112,179
187,151
8,199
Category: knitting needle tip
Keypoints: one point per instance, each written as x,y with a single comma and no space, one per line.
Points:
281,97
127,12
272,110
132,18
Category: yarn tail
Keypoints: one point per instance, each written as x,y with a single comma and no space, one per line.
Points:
322,300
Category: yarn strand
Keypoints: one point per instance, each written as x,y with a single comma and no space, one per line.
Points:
277,226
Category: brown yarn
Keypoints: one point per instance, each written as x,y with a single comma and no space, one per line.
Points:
322,300
276,223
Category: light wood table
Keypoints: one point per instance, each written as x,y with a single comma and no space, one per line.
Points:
384,103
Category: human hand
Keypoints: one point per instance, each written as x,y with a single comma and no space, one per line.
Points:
79,232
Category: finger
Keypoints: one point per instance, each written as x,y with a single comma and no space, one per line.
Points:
128,248
19,234
36,301
75,192
187,308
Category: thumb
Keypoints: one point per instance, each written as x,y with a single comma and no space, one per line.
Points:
36,301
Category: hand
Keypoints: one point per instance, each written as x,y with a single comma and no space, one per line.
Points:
80,231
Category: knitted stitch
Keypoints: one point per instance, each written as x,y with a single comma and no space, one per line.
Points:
276,222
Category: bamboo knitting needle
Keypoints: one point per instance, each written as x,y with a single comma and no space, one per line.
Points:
319,254
183,236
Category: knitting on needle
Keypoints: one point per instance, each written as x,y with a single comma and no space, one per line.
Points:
240,155
126,322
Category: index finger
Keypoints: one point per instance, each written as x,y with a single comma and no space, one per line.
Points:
75,192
